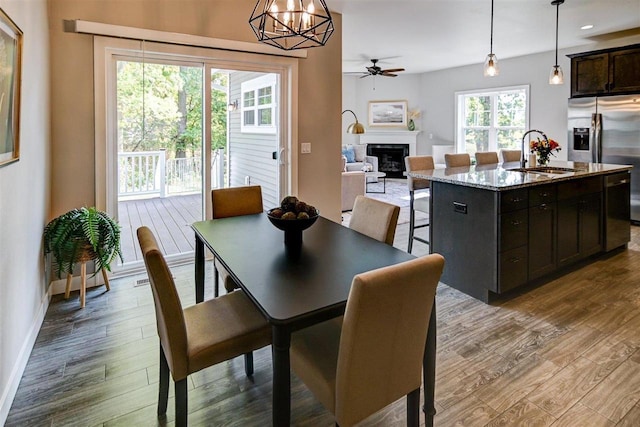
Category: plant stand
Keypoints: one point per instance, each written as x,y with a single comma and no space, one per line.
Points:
85,256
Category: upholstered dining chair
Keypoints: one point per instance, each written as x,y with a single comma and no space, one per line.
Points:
510,155
358,364
233,201
486,157
198,336
375,219
420,204
456,160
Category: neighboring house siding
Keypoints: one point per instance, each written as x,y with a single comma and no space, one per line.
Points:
250,154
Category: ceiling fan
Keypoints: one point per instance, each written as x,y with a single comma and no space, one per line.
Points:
375,70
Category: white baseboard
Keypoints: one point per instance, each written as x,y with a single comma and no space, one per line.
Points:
9,393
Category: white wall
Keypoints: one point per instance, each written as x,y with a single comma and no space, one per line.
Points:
434,94
24,205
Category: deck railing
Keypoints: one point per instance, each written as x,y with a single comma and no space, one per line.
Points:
151,173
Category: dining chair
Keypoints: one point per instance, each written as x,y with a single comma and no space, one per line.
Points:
200,335
456,160
233,201
375,219
420,204
357,364
510,155
486,157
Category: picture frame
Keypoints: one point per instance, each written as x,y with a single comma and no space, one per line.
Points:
10,82
388,114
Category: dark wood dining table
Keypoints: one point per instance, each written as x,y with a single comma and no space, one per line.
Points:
295,289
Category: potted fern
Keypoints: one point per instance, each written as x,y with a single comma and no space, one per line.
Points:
82,235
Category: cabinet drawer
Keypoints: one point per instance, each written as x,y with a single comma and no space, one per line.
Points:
513,268
578,187
513,200
542,195
514,228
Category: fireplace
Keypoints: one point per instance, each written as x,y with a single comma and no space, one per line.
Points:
390,158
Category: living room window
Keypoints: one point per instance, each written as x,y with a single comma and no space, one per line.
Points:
491,120
259,105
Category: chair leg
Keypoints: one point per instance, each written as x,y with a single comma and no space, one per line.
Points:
413,408
412,219
248,364
106,279
163,389
181,403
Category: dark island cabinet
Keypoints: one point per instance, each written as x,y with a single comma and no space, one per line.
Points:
580,232
542,230
606,72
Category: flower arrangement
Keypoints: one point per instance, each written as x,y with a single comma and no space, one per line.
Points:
544,148
413,115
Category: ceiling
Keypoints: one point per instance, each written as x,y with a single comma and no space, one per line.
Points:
428,35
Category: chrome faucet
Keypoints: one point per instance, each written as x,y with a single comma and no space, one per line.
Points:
523,161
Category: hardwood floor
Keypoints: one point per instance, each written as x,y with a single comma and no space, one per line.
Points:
563,354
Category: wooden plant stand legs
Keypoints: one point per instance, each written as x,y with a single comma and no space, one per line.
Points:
83,285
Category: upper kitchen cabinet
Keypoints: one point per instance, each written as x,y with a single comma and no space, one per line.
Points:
606,72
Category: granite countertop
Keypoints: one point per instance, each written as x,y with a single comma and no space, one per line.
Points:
499,177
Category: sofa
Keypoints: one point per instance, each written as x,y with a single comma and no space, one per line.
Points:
357,160
353,185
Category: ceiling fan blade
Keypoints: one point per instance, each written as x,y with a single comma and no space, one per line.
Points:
388,75
366,75
393,70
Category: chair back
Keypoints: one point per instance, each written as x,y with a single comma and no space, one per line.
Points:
236,201
456,160
169,315
375,219
486,157
383,336
511,155
416,163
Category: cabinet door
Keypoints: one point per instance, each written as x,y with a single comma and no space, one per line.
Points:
542,238
589,74
624,71
590,224
568,231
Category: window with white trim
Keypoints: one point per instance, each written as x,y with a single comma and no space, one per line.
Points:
491,120
258,105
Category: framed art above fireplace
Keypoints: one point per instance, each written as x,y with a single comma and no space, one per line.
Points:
388,114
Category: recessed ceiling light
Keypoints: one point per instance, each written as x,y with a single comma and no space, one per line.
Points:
586,27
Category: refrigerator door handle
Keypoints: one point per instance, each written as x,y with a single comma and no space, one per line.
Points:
596,129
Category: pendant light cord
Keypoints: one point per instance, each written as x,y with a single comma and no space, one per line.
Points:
491,48
557,19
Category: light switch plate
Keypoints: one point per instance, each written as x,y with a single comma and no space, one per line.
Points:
305,147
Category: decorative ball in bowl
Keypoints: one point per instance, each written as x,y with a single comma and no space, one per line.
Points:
293,216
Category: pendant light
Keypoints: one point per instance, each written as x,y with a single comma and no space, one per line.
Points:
491,63
289,24
556,77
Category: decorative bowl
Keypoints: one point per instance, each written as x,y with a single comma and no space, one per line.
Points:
292,227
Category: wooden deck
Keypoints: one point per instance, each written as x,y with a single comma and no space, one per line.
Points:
169,218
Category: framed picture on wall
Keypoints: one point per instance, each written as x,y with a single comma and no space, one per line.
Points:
388,113
10,77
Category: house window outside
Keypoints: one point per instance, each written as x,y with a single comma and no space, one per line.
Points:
491,120
259,105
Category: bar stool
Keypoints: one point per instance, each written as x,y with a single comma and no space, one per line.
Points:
486,157
457,160
421,204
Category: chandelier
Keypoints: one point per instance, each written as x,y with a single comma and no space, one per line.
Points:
292,24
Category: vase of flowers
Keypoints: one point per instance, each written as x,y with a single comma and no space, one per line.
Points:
413,115
544,148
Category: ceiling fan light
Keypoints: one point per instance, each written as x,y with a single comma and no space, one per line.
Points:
556,77
491,67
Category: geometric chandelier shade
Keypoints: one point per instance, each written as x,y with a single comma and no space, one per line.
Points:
289,25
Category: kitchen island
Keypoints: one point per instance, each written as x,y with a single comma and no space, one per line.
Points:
500,227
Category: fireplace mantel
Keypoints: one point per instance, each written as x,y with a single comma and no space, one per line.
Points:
392,137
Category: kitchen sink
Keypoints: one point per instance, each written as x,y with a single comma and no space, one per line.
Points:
546,169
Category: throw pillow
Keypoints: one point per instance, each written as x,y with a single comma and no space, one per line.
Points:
349,154
360,152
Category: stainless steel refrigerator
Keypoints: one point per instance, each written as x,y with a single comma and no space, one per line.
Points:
607,130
